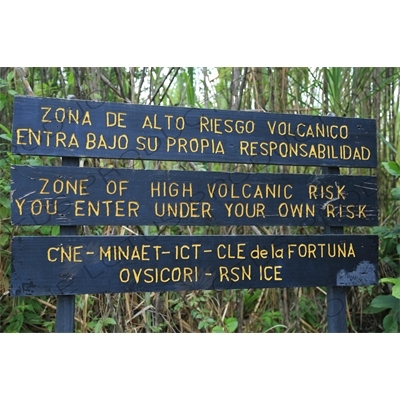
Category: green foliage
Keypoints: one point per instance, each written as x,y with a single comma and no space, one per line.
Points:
229,326
5,97
7,135
99,324
390,255
395,287
390,304
272,321
26,315
200,312
392,167
389,248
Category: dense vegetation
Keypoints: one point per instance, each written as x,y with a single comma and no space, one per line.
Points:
352,92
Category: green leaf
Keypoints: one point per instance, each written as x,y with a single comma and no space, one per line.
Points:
99,326
4,239
7,131
396,285
5,202
55,230
10,76
217,329
231,324
396,192
92,324
381,303
3,83
390,324
396,291
4,212
45,230
390,280
109,321
392,167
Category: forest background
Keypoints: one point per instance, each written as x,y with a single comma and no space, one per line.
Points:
364,92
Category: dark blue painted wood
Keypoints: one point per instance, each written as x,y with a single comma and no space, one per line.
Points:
78,128
336,296
65,313
118,264
92,196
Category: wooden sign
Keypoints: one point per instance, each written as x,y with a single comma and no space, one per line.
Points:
71,196
77,128
67,265
96,196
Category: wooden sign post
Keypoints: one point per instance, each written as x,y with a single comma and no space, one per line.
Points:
70,196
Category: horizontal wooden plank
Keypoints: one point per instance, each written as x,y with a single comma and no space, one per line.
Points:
90,264
96,196
78,128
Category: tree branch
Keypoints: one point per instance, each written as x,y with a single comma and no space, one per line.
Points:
161,85
27,87
114,89
166,90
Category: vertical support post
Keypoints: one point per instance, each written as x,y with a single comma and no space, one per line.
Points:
65,313
336,295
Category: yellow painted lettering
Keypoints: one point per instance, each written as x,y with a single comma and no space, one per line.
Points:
203,123
271,128
49,251
46,112
46,181
90,141
133,207
228,127
122,278
86,119
223,273
277,273
330,210
147,123
243,146
168,120
217,122
136,274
